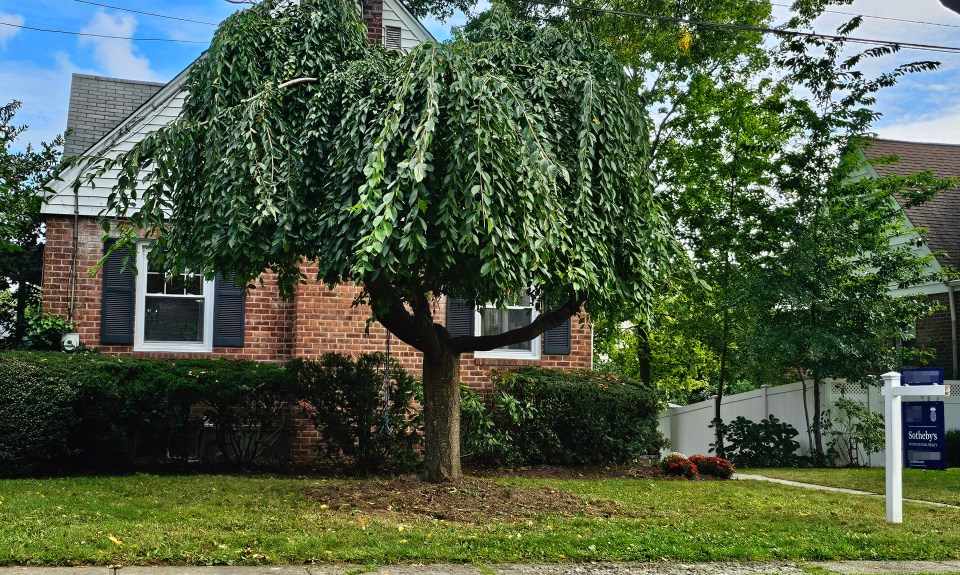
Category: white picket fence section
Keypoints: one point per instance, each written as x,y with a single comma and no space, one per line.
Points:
688,426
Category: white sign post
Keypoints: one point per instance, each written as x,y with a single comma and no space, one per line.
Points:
893,423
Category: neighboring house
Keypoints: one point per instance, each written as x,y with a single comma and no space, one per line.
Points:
185,316
939,224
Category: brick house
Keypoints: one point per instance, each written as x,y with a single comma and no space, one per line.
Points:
150,315
939,235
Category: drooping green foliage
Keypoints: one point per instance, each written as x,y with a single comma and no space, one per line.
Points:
511,159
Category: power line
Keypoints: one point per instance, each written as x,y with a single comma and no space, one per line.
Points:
154,14
761,29
72,33
879,17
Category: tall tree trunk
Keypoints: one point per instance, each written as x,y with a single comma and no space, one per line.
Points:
720,448
806,417
644,355
441,416
817,420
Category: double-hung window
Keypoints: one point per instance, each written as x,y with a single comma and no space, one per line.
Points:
174,312
490,320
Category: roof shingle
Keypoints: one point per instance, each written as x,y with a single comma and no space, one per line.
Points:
939,217
98,105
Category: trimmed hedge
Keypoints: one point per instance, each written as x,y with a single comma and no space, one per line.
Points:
93,412
573,417
362,432
953,447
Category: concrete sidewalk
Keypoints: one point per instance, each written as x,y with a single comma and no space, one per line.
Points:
749,477
732,568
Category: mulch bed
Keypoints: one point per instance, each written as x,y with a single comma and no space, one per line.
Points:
471,500
575,472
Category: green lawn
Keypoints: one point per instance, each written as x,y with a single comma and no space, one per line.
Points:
224,519
940,486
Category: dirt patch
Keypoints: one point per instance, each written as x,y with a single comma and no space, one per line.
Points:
471,500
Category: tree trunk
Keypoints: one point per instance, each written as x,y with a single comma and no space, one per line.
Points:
806,417
644,355
817,435
441,416
719,447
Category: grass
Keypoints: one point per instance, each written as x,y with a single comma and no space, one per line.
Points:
939,486
147,519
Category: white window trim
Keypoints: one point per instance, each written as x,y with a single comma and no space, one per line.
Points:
535,347
139,344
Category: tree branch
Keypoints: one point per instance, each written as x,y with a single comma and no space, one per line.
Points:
543,323
400,322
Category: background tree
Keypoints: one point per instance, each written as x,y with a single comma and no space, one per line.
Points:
506,162
23,176
825,290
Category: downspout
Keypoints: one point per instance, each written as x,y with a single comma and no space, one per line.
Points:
73,257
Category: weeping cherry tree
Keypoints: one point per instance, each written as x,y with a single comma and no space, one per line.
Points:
512,160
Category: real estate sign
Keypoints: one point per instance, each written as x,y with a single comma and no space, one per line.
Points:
924,445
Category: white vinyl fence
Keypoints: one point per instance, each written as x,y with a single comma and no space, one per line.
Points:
688,426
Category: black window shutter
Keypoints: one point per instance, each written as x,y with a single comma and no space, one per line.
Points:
460,317
116,308
228,312
556,341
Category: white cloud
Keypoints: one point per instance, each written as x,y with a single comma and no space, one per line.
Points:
117,57
940,127
8,32
45,94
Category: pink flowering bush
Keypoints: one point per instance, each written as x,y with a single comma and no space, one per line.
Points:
716,466
679,464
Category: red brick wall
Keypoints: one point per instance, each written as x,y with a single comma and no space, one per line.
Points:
327,322
373,18
934,333
320,320
268,332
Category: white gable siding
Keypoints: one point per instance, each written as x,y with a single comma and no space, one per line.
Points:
164,108
91,200
412,32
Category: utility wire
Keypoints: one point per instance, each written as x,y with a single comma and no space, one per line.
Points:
154,14
761,29
879,17
71,33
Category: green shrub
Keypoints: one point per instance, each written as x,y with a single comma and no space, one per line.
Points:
854,433
573,417
953,448
361,433
35,417
485,439
43,332
108,411
769,443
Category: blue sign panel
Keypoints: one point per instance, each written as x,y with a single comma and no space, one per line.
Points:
924,444
922,376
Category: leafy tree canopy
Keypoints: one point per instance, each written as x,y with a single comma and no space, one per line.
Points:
511,159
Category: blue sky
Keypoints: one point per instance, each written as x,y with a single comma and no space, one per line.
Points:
36,67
